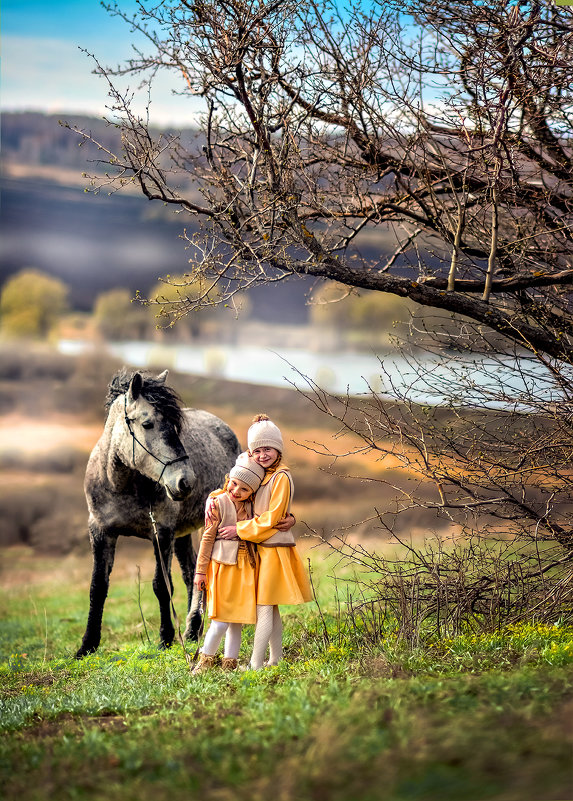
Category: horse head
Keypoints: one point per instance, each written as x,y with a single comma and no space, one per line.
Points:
149,429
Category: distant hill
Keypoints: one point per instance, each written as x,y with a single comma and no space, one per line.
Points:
31,138
95,242
39,139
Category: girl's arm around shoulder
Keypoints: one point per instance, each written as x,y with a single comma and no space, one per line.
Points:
260,528
211,498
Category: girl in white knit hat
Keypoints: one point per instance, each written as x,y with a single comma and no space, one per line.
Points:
228,568
282,578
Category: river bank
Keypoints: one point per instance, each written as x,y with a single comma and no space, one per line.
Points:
428,378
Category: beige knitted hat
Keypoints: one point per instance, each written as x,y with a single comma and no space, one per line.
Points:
248,471
264,433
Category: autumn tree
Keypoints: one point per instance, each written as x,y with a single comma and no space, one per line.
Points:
31,304
118,316
418,148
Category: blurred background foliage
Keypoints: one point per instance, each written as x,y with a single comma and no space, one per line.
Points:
31,304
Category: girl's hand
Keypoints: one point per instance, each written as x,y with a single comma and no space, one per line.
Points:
209,504
286,523
228,533
199,580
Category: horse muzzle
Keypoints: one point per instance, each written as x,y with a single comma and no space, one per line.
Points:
179,483
181,492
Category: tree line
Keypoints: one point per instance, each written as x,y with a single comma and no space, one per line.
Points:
35,305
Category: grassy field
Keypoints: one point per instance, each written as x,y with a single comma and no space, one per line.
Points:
474,718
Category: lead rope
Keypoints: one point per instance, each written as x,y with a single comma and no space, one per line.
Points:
188,658
202,611
134,439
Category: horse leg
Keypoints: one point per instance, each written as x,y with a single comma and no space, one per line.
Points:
186,558
103,551
163,547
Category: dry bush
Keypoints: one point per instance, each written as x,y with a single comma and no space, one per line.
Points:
442,589
498,477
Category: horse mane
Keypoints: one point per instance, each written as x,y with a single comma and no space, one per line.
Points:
166,400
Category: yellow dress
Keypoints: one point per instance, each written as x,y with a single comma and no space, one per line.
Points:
231,589
282,576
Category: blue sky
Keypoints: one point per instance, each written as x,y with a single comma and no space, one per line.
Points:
43,68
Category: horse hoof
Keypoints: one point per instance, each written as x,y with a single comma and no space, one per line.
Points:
81,652
191,634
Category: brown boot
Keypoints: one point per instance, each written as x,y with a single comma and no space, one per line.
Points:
206,662
229,664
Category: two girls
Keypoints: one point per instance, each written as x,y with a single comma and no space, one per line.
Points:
280,575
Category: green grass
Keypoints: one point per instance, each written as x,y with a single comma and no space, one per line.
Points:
467,719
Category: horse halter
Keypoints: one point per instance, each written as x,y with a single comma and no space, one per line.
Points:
139,442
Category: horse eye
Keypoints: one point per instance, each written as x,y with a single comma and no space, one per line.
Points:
147,425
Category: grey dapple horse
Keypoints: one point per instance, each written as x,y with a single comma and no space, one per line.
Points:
149,476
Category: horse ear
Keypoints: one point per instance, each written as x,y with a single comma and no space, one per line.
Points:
162,376
135,386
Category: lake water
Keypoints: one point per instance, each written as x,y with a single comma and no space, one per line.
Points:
430,378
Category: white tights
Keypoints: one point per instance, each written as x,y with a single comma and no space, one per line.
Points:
268,632
217,630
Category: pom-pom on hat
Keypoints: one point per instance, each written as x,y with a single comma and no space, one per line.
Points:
248,471
264,433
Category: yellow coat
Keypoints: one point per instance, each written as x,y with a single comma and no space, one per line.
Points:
231,589
282,576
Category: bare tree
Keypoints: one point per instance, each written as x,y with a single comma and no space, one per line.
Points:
447,122
496,471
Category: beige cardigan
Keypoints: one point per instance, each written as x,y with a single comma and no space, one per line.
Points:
209,536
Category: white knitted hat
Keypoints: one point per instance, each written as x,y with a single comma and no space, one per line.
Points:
264,433
248,471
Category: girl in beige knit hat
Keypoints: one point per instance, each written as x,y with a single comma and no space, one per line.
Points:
228,568
282,578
